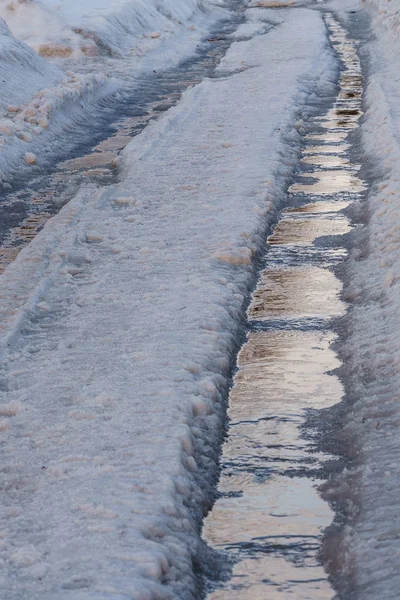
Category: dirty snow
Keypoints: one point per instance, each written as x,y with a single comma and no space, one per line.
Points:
118,324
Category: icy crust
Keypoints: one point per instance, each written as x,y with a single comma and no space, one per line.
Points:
64,29
119,322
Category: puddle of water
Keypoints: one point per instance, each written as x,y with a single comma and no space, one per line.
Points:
97,159
268,519
332,136
326,149
319,207
7,255
349,94
304,232
330,182
268,522
117,142
337,121
327,160
296,292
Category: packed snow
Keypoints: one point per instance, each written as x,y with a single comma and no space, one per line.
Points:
120,320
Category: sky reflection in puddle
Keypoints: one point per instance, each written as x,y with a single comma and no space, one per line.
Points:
328,160
326,149
329,137
319,207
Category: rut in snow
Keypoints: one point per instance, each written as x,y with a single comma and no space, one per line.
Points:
267,525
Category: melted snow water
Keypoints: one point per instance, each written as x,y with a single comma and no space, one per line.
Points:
92,148
268,523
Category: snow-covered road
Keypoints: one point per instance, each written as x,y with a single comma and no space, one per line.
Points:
120,321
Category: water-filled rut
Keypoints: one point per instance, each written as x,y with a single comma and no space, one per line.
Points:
268,522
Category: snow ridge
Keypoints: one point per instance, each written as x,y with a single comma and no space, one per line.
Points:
369,545
38,103
91,27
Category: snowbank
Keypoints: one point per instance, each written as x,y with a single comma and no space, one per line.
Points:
41,103
372,353
32,129
64,29
386,17
118,325
23,73
38,103
31,89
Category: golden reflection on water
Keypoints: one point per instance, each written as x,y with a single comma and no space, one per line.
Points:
319,207
97,164
31,226
347,94
271,510
335,120
24,232
328,160
250,578
280,374
296,292
284,370
326,149
352,82
97,159
117,142
330,182
328,136
303,232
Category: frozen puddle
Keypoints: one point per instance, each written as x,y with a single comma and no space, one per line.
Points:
268,522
